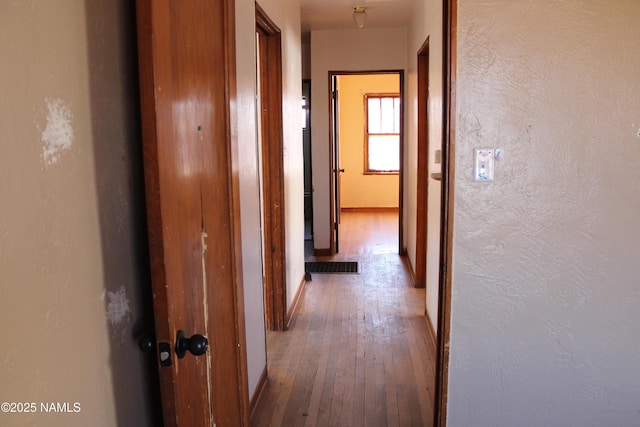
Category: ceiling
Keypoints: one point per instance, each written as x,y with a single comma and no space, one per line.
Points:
337,14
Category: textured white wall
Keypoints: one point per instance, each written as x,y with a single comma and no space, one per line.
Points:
546,303
426,23
342,50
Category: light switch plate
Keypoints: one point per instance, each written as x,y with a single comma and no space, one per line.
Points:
483,164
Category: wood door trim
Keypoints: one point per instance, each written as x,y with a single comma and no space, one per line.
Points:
422,198
323,252
401,173
273,171
264,22
449,74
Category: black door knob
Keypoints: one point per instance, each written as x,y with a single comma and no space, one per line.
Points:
196,345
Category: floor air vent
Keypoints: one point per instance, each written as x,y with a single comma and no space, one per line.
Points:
331,267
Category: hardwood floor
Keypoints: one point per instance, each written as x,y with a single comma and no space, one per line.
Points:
359,352
369,232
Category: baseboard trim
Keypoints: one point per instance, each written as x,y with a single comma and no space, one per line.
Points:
322,252
407,263
296,299
432,331
370,210
262,385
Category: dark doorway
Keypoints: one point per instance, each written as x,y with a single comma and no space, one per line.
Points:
308,171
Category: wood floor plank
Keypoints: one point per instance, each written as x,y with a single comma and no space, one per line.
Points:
323,352
358,352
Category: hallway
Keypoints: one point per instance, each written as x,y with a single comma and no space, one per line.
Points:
359,351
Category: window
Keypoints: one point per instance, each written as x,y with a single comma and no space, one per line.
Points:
382,134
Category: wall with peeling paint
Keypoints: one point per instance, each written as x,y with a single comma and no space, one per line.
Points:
73,250
546,302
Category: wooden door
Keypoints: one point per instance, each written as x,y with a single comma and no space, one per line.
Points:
187,69
335,173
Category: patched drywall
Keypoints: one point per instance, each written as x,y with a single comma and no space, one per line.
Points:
546,304
57,135
118,306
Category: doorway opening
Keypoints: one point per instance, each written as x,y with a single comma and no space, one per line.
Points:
271,152
308,170
366,121
422,197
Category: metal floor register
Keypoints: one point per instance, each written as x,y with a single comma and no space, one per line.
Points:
331,267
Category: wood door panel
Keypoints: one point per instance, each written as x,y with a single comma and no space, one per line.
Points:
187,67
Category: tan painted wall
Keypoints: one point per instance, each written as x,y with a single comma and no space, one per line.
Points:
546,303
72,250
358,190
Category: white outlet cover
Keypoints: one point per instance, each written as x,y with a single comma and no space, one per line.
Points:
483,164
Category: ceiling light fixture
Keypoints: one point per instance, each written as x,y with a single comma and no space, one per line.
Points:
360,16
